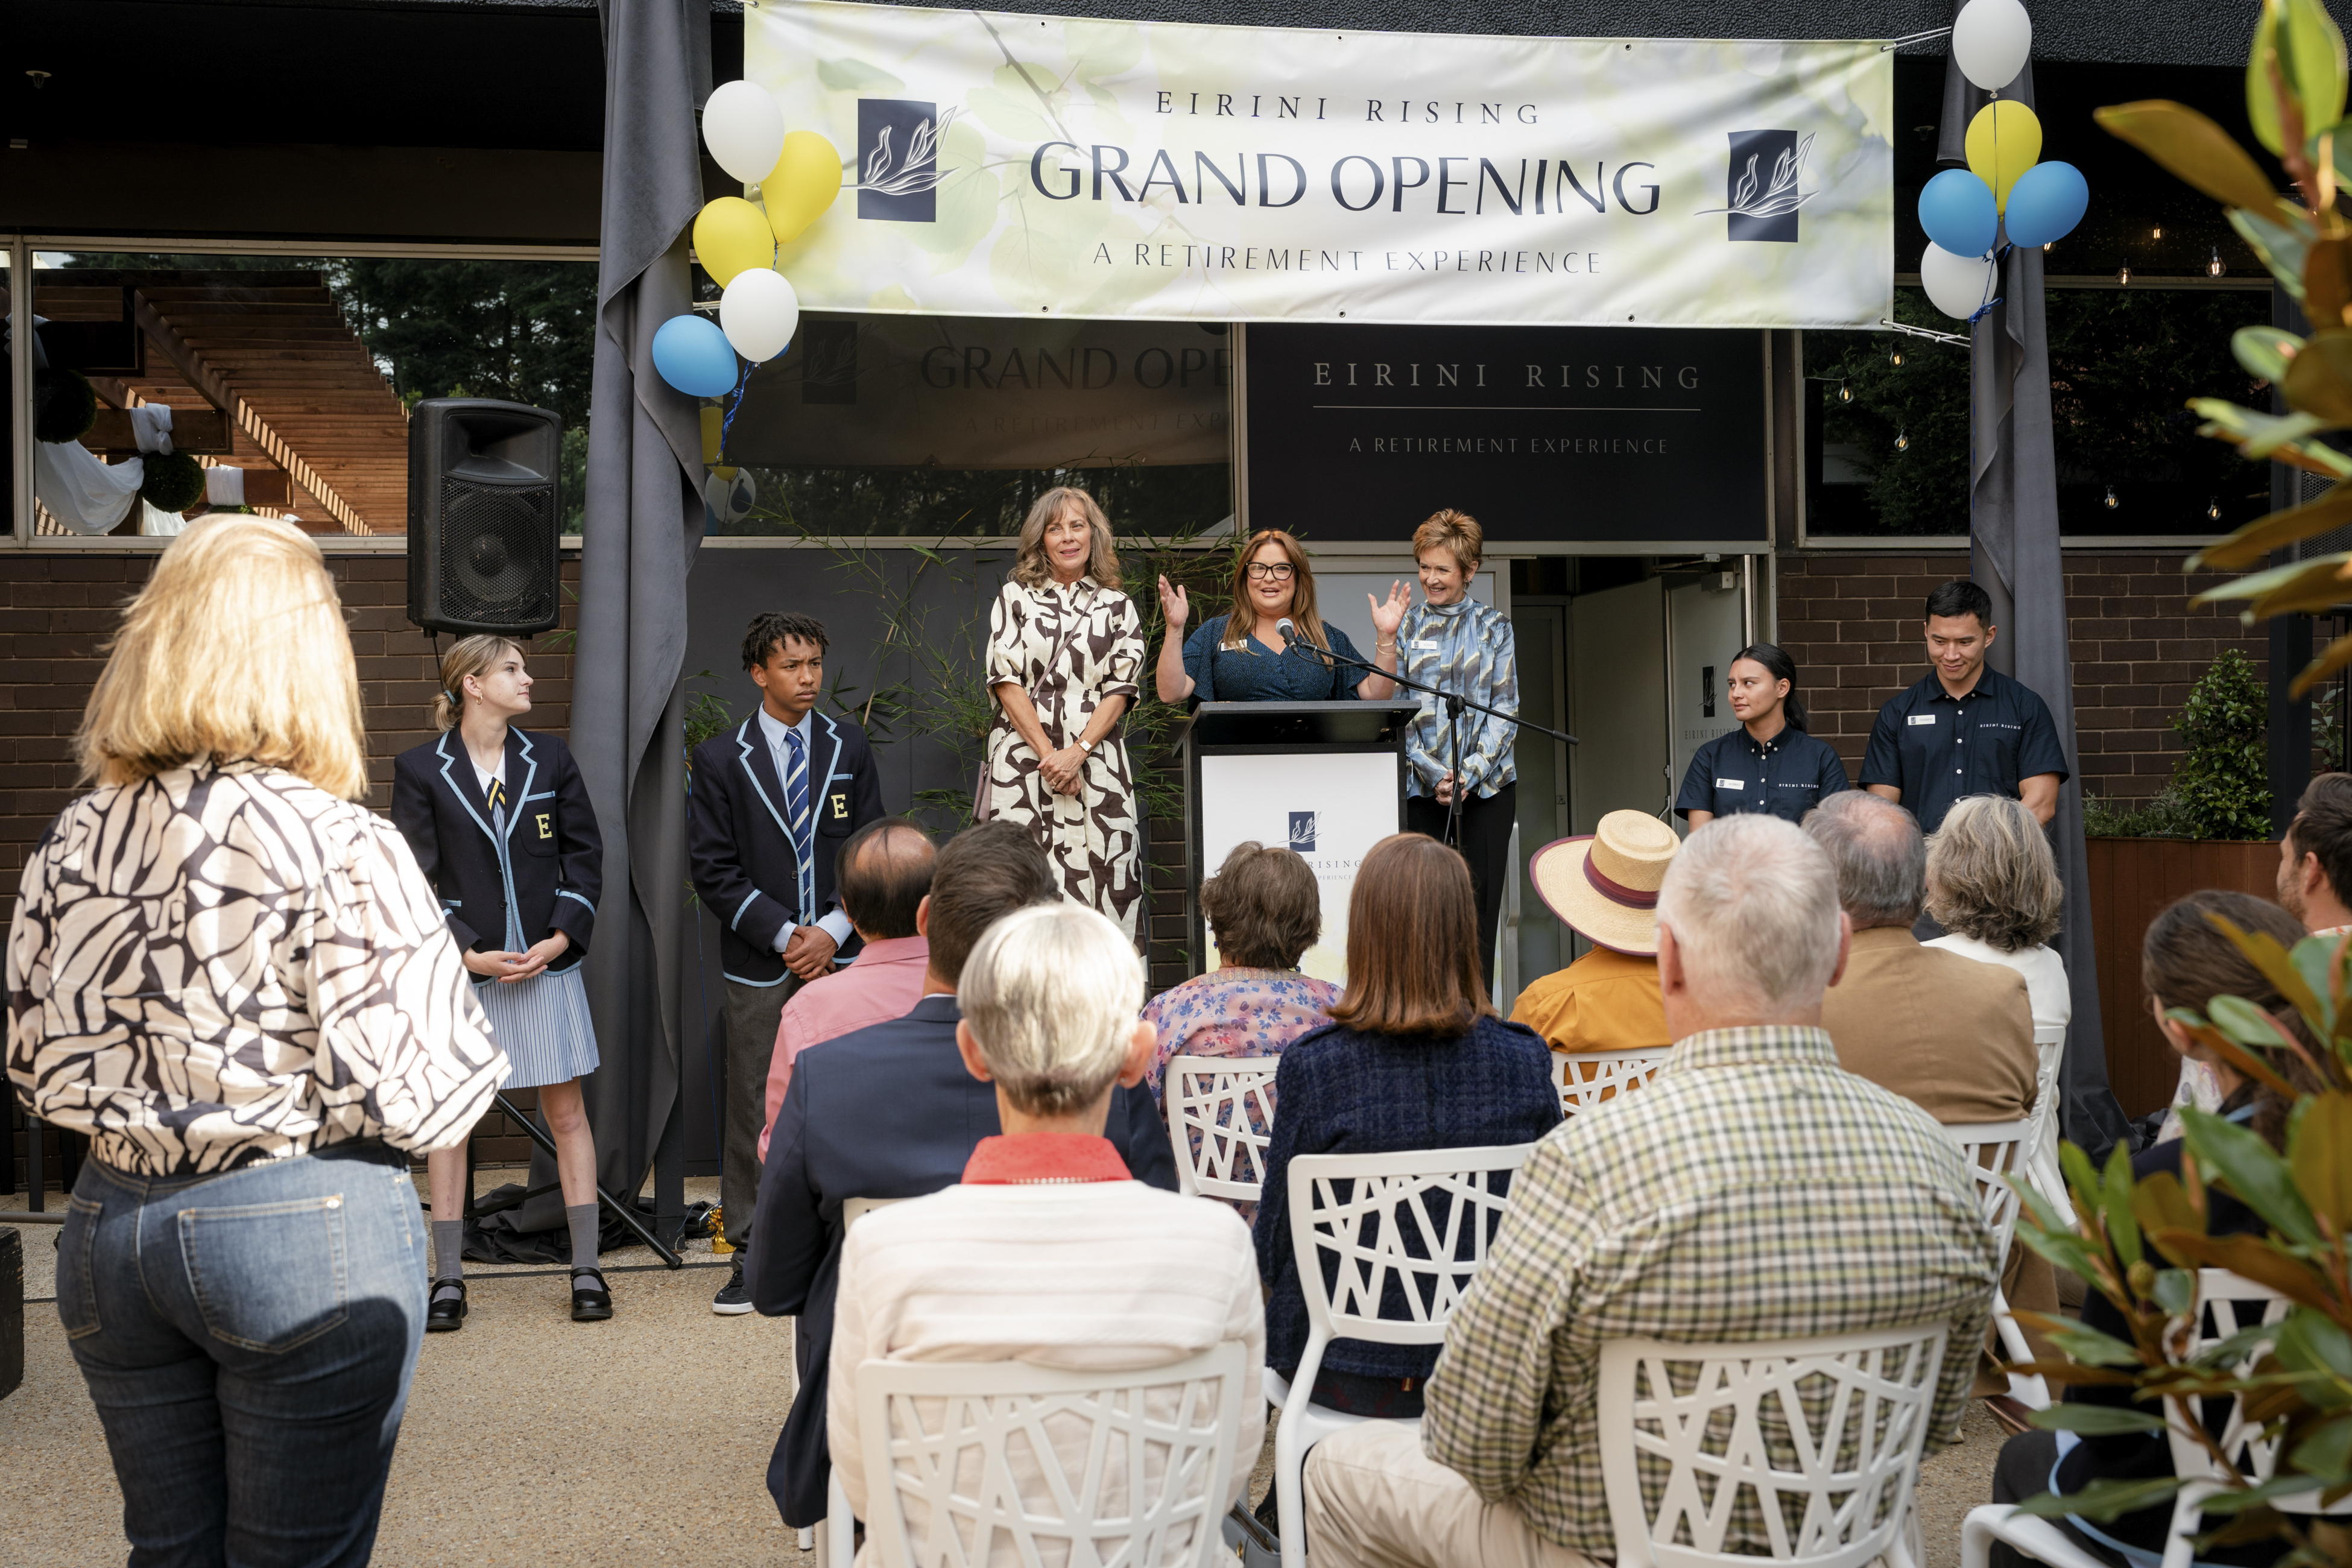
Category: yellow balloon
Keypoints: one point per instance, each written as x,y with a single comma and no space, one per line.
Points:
731,236
714,426
806,178
2004,140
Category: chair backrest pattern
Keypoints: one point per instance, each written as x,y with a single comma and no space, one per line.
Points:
2230,1303
1588,1078
1220,1120
1806,1448
1995,1151
1409,1230
1002,1461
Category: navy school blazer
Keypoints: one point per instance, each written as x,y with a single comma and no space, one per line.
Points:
744,869
553,851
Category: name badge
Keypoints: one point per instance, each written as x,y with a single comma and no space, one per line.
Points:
1425,644
1922,718
1731,784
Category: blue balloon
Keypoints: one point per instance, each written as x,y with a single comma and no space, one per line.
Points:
1956,210
2046,203
694,356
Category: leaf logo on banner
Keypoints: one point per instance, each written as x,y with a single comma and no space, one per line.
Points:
1781,198
919,172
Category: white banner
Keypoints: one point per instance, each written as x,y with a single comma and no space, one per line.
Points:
1329,806
1003,164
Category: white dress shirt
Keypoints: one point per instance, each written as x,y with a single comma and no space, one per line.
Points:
833,923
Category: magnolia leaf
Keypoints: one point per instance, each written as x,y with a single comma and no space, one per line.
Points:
2337,654
2266,351
2088,1346
2081,1180
2311,56
2253,543
2256,1259
2238,1057
2327,283
2314,959
2287,438
2116,1203
2319,1152
2279,965
2104,1500
2285,1483
2068,1372
2192,147
2095,1420
2310,1341
2062,1248
2279,236
2254,1174
2327,1451
2265,78
2319,380
2158,1203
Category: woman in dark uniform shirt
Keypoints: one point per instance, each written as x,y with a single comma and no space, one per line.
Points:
500,822
1770,764
1240,657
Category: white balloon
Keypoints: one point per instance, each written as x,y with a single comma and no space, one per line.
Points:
744,130
1959,286
731,497
759,313
1990,39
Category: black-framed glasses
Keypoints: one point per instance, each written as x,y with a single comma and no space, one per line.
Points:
1279,569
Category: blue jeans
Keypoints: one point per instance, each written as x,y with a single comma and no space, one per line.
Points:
248,1340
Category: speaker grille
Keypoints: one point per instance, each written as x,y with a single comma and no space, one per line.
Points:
498,555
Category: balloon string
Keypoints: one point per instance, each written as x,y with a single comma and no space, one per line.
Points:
734,407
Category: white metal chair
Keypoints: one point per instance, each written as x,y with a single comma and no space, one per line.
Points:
1365,1234
1127,1467
1813,1443
2050,1042
840,1527
2229,1303
1996,1150
1587,1078
1229,1100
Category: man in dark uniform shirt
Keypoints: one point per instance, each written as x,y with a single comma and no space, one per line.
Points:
1964,730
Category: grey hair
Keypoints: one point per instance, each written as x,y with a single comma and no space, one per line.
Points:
1881,858
1990,875
1052,992
1753,906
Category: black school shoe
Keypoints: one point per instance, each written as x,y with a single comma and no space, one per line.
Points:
446,1314
590,1303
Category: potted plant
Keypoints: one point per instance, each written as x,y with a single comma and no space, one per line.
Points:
2208,827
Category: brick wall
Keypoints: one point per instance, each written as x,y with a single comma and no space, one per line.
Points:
56,612
1852,622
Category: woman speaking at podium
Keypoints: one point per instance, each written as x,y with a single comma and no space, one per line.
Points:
1247,656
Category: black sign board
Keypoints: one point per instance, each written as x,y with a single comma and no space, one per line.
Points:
1545,434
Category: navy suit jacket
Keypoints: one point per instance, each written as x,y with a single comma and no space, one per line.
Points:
886,1111
743,864
552,844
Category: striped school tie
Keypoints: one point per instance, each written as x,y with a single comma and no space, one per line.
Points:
796,816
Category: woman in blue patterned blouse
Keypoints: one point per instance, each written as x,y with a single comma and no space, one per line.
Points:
1265,910
1243,658
1461,645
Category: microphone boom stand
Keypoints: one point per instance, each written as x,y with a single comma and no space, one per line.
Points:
1454,704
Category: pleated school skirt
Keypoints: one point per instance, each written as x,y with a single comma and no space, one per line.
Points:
543,1027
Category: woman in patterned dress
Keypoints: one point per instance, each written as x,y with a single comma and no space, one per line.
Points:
232,975
1064,649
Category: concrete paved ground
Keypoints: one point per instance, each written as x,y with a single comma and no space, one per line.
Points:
532,1439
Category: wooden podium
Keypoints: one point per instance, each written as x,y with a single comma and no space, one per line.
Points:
1326,779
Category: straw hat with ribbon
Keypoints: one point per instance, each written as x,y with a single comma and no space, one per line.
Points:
1605,884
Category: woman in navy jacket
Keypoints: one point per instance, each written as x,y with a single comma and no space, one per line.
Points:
500,821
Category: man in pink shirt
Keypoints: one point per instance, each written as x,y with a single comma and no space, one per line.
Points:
885,873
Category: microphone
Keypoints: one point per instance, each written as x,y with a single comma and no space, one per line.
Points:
1289,632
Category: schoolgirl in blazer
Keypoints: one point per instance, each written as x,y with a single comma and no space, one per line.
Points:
549,864
745,868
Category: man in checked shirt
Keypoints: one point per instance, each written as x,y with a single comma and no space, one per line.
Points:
1753,1190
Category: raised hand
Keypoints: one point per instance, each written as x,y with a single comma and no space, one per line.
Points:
1387,615
1174,604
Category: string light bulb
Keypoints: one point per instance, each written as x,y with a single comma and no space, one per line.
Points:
1845,393
2123,275
1903,440
2214,269
2112,502
2213,509
2156,232
1895,355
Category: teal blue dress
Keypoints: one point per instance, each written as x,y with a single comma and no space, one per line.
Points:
1256,673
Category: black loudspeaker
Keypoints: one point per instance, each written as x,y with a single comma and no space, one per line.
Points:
485,520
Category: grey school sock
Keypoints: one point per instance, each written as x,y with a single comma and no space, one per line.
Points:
448,1249
581,1218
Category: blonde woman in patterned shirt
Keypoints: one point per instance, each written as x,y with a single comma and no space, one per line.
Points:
234,978
1064,650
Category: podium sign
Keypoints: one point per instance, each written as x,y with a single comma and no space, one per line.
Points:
1324,779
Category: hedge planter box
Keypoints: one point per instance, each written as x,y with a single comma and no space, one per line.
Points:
2131,880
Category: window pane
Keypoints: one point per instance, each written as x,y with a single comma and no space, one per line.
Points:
1887,444
298,373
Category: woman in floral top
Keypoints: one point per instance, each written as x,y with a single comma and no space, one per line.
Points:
1263,911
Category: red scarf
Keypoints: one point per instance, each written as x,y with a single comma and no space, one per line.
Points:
1030,1159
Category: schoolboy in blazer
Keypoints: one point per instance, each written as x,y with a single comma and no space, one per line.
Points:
771,890
552,847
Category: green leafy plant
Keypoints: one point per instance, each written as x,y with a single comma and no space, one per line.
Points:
2223,785
2139,1242
2296,84
2158,817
